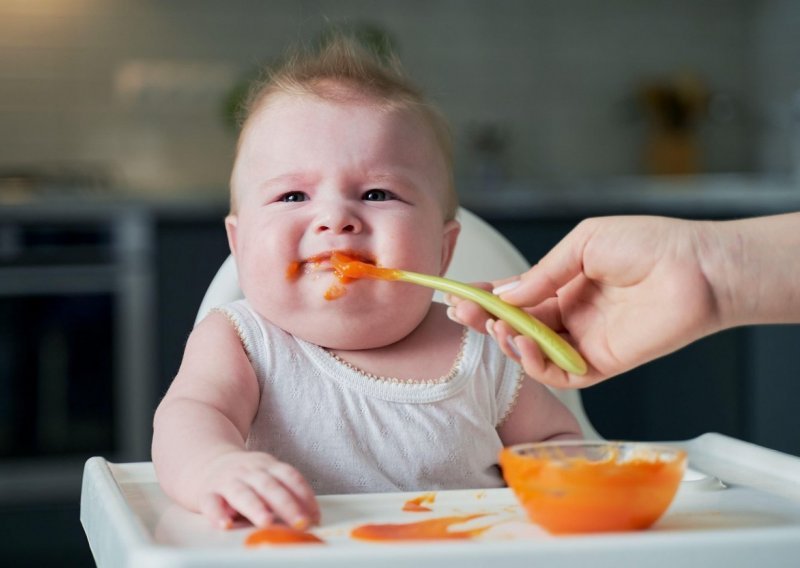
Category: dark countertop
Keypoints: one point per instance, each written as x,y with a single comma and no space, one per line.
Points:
713,196
81,207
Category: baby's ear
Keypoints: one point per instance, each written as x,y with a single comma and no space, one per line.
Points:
231,224
449,239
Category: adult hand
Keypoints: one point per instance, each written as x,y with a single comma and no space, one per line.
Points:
621,290
626,290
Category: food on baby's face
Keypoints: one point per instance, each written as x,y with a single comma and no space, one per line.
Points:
335,292
293,270
347,266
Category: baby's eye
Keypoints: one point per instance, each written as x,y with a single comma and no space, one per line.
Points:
293,197
378,195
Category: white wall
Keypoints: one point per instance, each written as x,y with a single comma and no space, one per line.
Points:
136,86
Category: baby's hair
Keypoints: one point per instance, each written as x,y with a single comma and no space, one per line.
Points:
342,70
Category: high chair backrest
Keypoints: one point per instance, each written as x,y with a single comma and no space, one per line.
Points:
482,254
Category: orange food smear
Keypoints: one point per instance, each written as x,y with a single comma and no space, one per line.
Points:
335,292
415,505
432,529
281,535
348,268
293,270
574,495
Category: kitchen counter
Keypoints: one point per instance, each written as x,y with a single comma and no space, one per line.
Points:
714,196
82,206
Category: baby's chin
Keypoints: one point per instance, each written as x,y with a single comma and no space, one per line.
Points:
350,332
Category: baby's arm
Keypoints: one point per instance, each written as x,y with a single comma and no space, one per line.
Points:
199,435
537,416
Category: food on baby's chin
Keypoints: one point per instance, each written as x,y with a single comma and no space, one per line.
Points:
347,266
280,535
335,292
593,487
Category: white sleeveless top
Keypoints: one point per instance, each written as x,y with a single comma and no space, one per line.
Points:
350,432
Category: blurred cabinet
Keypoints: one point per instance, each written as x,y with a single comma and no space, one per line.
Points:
96,303
75,293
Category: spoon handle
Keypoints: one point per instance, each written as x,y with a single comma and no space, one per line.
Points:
553,345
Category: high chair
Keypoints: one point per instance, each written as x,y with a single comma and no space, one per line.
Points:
481,254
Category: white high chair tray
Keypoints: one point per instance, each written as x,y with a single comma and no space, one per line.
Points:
751,518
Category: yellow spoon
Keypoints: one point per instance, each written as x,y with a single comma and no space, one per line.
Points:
553,345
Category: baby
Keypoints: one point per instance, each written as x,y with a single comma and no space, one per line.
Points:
286,393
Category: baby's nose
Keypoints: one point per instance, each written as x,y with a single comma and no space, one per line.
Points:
337,221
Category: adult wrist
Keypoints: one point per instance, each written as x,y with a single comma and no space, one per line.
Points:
753,269
720,254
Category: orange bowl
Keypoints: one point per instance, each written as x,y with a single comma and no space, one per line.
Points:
578,486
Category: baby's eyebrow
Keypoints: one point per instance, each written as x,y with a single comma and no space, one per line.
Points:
392,178
286,179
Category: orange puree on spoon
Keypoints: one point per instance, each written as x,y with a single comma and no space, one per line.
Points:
347,268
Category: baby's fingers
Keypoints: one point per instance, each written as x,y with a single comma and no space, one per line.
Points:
216,509
244,498
296,484
281,500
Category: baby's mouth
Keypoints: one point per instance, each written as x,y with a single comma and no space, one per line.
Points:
321,261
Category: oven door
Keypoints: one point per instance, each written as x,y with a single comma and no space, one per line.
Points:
75,363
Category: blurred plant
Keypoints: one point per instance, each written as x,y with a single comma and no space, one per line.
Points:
490,144
675,107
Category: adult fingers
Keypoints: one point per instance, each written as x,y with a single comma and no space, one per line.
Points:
452,299
502,333
563,263
466,312
537,366
529,355
469,314
547,372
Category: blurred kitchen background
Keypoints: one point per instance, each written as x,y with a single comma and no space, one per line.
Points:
116,142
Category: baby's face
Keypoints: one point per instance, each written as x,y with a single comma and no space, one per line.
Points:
313,176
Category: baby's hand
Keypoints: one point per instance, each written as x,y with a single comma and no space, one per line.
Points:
258,487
